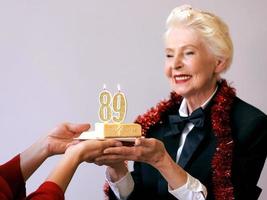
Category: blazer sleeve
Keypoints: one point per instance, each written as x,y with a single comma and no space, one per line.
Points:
249,157
12,185
136,194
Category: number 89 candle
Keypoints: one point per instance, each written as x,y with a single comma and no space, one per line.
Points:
112,108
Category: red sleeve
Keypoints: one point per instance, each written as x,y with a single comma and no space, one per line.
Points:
12,184
47,191
5,191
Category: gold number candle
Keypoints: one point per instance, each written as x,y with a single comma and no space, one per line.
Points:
105,112
119,106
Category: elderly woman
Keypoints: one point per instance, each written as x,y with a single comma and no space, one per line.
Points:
202,143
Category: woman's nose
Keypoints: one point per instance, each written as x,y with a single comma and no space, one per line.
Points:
177,62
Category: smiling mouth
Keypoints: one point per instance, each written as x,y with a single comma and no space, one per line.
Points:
181,78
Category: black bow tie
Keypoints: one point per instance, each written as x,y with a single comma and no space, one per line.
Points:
197,118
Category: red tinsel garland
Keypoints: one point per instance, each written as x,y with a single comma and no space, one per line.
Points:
220,120
222,158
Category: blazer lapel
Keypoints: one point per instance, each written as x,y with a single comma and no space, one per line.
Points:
171,141
193,140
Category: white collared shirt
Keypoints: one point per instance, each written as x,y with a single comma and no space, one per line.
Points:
193,189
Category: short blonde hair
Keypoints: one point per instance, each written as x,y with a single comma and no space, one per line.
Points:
214,31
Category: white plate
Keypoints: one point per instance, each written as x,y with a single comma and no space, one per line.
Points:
92,135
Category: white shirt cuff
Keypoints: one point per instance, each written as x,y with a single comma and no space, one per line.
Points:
193,189
123,187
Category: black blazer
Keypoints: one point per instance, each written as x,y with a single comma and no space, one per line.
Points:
249,132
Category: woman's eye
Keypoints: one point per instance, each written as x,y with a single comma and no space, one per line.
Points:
169,55
188,53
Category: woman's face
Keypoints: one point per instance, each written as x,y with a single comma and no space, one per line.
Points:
190,66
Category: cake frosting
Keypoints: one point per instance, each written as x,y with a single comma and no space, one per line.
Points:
111,130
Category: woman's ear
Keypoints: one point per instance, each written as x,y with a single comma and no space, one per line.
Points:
219,66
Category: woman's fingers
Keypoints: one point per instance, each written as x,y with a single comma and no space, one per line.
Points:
123,150
141,146
67,131
140,143
109,159
77,128
110,143
145,142
100,145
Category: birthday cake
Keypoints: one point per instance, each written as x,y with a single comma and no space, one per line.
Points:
113,130
113,109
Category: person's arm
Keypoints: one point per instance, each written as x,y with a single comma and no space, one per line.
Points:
181,184
121,188
192,189
76,154
47,191
55,142
150,151
58,180
118,178
32,158
153,152
14,173
10,173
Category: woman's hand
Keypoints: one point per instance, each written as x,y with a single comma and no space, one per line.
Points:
62,136
89,150
55,142
117,167
75,154
151,151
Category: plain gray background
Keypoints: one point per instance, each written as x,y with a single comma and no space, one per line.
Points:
55,56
